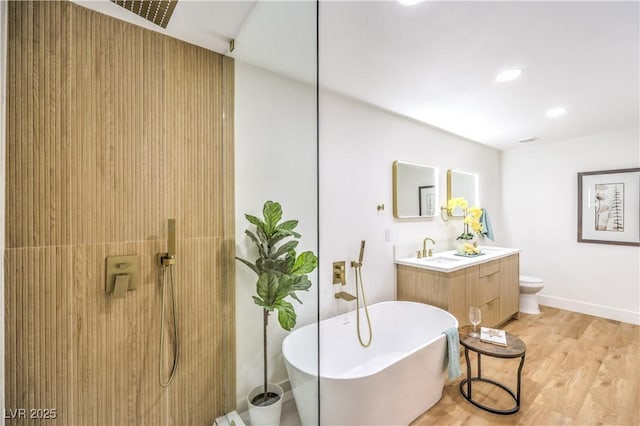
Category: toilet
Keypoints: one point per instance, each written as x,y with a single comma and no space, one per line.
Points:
529,286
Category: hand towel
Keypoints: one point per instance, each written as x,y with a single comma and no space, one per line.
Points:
486,225
453,352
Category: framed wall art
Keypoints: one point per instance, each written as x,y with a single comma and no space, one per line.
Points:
609,207
426,200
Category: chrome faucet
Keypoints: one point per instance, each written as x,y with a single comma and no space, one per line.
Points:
426,253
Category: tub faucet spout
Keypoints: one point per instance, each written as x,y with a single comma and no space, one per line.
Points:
345,296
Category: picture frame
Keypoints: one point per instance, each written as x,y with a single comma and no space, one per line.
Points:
609,207
426,200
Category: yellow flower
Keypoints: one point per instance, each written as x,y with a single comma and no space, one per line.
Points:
476,212
456,202
471,218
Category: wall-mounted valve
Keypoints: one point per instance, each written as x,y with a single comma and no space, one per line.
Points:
339,273
122,275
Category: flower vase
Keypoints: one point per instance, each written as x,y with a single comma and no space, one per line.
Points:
461,246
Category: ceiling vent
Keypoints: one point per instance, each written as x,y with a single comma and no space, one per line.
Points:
159,12
527,140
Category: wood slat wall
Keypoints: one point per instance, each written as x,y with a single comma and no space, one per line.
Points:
111,130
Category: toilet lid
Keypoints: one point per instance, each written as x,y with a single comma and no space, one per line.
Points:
529,280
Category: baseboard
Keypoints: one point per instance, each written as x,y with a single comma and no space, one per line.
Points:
590,309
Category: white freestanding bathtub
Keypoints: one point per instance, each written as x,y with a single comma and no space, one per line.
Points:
393,381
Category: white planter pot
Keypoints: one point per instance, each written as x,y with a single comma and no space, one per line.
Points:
269,415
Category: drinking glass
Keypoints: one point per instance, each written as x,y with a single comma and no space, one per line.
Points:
475,316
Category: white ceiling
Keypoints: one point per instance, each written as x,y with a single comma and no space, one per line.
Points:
436,61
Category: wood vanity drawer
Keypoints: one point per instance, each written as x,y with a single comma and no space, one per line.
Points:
489,268
489,287
481,290
490,313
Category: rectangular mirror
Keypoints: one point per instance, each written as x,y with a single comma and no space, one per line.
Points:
415,190
462,184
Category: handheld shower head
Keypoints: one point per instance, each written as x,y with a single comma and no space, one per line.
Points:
361,252
171,241
358,264
168,258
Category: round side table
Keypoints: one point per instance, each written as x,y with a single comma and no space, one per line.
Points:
515,348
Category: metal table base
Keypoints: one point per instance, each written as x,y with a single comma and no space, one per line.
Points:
466,383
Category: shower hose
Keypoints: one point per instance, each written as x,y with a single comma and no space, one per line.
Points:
174,367
366,310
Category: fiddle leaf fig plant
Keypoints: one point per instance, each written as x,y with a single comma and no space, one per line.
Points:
280,269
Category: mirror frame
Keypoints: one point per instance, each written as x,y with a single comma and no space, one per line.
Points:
395,189
475,202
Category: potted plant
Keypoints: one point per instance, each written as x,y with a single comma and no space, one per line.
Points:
281,273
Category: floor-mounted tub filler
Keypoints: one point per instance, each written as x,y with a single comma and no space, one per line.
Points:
394,380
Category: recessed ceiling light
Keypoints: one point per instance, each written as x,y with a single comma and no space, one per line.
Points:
556,112
409,2
508,75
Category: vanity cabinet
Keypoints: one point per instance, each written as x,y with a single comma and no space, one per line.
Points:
509,287
493,286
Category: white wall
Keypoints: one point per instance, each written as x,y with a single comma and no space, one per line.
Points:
3,106
540,204
358,145
275,159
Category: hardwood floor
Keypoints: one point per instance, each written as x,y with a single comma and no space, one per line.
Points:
579,370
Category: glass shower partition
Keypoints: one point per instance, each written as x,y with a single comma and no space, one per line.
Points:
276,158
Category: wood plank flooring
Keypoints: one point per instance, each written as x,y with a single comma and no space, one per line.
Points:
579,370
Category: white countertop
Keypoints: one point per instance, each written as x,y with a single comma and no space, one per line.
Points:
449,261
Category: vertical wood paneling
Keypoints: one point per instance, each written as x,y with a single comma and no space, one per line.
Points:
197,142
11,334
11,115
227,262
197,380
38,204
120,337
38,329
112,158
113,129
